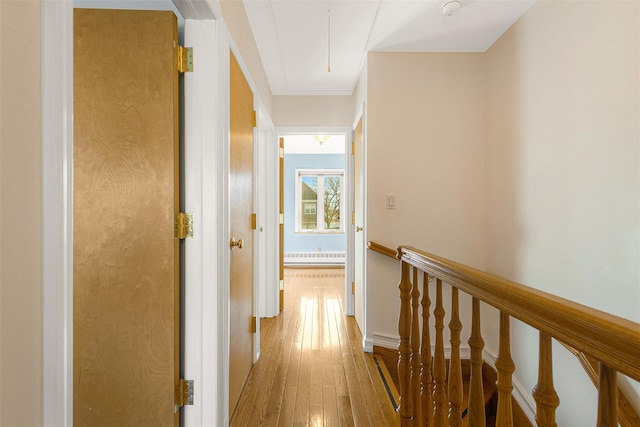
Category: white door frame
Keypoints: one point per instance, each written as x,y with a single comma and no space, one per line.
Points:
206,195
348,170
266,155
367,341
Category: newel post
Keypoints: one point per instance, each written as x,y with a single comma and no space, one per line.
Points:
405,408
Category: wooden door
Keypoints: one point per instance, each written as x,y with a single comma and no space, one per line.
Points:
241,207
125,256
358,207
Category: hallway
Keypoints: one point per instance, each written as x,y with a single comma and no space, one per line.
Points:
312,370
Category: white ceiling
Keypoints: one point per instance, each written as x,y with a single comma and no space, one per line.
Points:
293,36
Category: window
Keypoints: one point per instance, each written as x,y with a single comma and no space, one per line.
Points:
319,201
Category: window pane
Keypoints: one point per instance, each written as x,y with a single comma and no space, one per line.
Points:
309,202
331,202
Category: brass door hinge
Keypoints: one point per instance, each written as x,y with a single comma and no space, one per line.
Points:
353,218
184,225
184,59
353,288
253,327
184,393
254,221
254,118
353,148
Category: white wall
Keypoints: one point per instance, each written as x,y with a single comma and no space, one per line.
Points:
235,18
312,111
21,397
563,172
524,161
425,146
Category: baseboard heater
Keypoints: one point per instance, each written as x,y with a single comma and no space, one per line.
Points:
303,258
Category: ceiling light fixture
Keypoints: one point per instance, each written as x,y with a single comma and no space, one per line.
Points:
329,41
320,139
450,7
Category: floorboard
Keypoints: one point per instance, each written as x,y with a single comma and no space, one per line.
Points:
312,370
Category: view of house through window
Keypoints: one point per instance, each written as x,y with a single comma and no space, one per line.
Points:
319,199
315,188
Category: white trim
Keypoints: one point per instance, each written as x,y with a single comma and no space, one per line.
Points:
352,236
201,183
267,209
384,340
57,210
367,345
221,142
198,9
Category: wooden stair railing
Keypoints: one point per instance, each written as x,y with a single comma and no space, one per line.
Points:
613,341
627,417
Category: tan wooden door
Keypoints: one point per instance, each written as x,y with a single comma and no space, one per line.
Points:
125,256
241,206
358,206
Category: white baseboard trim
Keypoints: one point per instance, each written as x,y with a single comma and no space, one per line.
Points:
386,341
306,258
367,345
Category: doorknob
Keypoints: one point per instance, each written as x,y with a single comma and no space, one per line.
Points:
358,228
235,243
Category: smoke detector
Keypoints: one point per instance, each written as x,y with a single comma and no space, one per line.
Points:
450,7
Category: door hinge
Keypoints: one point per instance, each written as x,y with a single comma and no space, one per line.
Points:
184,393
281,153
281,218
184,59
254,221
184,225
282,285
353,288
254,325
254,118
353,148
353,218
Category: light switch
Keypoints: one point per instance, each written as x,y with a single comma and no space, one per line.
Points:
391,202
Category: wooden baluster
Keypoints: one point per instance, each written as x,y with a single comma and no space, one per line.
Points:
426,381
476,415
415,350
545,395
439,366
404,347
505,368
607,397
455,368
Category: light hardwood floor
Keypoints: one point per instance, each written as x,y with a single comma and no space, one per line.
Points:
312,370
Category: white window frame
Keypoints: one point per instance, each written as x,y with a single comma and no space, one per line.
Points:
320,206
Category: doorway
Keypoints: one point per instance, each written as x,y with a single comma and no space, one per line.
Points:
316,200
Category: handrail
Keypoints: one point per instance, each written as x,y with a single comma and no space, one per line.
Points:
381,249
612,340
627,415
